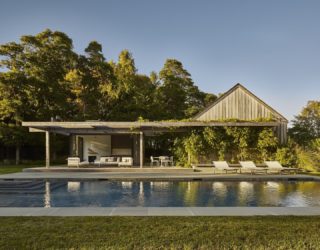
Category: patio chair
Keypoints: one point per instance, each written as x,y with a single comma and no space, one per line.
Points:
171,161
154,160
224,166
251,167
275,166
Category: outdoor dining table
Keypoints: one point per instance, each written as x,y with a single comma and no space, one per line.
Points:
165,160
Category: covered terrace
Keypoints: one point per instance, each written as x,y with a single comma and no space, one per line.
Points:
119,138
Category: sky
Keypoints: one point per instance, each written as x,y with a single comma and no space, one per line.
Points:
271,47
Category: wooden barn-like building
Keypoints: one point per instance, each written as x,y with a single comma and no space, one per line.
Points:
242,105
95,139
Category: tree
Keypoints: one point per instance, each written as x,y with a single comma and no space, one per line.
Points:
306,126
34,72
177,95
135,92
92,84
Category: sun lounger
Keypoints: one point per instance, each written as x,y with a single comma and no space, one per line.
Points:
275,166
249,166
224,166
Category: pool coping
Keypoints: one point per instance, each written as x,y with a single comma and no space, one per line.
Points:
125,176
159,211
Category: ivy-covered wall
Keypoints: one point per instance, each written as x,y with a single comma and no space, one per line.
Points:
225,143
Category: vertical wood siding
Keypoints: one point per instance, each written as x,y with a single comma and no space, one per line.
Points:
241,105
238,105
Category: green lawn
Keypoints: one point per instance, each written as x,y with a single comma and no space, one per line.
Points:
8,169
159,232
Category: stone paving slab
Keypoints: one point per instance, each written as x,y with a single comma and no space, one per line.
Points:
153,176
160,211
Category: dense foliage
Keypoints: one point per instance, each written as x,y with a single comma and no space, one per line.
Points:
225,143
43,77
305,134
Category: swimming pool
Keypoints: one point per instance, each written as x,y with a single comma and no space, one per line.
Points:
159,194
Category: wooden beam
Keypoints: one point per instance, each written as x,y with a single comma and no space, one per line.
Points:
47,149
36,130
109,126
141,150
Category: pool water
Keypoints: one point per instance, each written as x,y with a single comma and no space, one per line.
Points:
159,194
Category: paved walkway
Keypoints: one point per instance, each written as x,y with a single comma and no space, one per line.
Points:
151,176
161,211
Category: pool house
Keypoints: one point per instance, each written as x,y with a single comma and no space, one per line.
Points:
90,141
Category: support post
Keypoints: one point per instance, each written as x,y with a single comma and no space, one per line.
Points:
141,150
47,149
77,146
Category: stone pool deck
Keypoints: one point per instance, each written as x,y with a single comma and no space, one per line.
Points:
160,211
154,176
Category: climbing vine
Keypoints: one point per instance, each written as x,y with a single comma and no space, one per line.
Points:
225,143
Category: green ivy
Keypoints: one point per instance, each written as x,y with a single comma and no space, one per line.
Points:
225,143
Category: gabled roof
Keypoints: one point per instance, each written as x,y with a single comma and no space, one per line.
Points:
247,92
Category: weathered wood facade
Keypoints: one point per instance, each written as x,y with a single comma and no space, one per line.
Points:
240,104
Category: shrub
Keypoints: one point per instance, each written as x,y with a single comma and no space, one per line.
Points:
287,156
267,144
308,160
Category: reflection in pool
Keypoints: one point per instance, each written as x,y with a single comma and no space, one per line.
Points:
158,194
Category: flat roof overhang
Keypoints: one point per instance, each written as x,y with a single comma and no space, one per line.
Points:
101,127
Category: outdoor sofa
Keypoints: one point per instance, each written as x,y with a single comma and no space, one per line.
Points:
108,161
126,162
103,161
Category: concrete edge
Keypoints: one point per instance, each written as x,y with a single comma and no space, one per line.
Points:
159,211
168,177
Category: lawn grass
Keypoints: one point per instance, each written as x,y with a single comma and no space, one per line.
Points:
8,169
11,168
160,232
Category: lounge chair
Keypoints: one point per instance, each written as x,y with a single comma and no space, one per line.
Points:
251,167
224,166
275,166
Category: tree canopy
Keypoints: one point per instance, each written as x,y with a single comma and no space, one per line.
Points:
43,77
306,126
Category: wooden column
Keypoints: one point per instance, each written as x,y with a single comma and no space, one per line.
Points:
47,149
141,150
